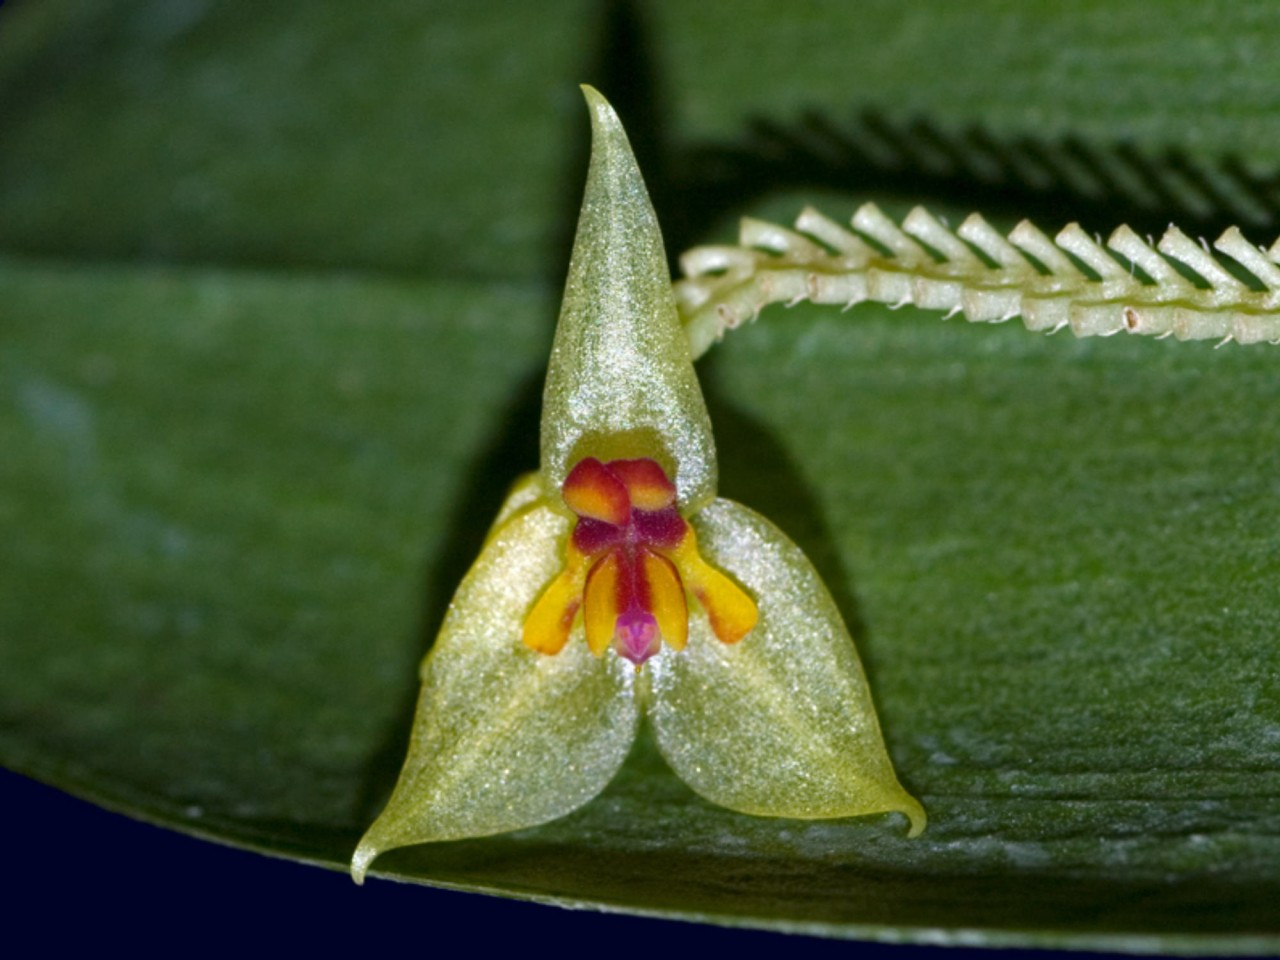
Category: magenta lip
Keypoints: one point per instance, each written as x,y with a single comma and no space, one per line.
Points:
636,636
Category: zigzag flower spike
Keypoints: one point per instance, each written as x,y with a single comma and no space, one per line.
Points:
615,583
1182,291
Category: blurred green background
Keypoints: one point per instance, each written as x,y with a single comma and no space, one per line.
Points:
277,283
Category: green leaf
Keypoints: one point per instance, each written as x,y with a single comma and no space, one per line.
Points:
245,466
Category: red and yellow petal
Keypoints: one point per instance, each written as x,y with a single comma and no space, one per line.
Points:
634,600
646,482
592,491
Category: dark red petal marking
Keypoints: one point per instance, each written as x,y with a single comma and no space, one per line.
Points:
660,529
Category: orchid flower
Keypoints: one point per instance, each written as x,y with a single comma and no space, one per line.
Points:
614,584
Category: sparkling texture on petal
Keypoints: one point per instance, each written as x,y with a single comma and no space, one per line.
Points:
781,724
526,491
621,382
505,738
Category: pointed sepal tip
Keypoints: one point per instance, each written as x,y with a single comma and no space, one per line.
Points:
621,383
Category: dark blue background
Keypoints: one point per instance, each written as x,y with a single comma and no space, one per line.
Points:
81,877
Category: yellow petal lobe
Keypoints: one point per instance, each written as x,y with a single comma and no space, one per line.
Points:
731,612
547,627
601,607
666,599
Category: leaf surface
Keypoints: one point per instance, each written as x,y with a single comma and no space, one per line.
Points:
245,466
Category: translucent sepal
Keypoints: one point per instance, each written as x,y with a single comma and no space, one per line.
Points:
505,738
781,724
621,383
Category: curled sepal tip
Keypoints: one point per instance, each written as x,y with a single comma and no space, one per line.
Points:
505,739
620,381
781,724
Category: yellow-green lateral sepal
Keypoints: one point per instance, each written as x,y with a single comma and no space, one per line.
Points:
621,382
505,738
782,723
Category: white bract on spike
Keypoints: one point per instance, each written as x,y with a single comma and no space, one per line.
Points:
1072,280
